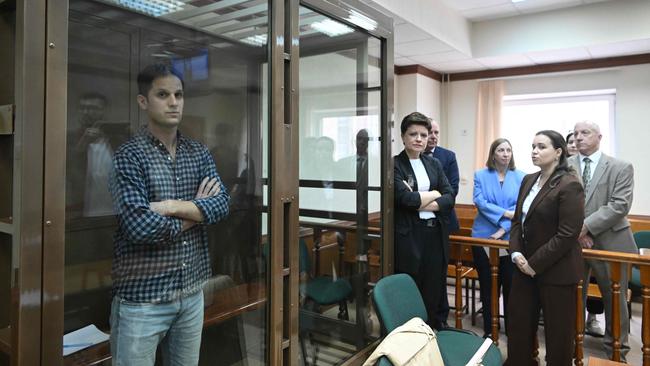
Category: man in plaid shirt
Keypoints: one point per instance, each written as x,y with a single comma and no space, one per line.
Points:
165,189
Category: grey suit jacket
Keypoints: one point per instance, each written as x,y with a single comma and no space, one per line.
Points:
608,199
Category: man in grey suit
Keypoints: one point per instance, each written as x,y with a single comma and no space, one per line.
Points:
608,184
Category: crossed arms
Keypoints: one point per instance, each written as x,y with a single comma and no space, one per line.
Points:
187,211
145,222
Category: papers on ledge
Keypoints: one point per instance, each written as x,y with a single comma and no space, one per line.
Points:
83,338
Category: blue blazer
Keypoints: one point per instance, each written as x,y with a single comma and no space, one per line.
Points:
449,164
492,200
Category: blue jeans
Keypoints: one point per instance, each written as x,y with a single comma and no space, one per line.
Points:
138,328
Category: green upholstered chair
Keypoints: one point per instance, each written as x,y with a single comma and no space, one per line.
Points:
642,239
318,291
397,300
323,290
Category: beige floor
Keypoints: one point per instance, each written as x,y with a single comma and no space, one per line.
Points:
592,346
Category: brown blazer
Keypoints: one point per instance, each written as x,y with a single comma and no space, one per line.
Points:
549,236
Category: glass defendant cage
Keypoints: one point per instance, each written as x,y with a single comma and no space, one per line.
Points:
294,102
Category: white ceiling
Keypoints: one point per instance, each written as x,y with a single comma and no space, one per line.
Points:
478,10
548,31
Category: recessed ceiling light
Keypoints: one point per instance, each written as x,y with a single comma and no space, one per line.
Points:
331,28
256,40
152,7
362,20
517,1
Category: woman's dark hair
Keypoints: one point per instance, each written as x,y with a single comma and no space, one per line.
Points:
153,72
558,142
415,118
490,160
568,137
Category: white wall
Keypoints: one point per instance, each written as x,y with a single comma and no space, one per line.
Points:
461,118
414,93
566,28
632,84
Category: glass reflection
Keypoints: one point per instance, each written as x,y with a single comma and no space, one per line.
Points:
339,187
109,42
8,253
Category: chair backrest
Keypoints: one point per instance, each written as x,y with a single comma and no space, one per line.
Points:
397,300
642,239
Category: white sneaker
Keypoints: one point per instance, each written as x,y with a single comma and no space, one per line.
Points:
592,326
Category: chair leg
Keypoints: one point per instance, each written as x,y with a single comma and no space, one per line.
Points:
343,310
473,302
466,295
303,349
315,346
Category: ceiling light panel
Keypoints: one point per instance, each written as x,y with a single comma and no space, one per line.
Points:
154,8
331,28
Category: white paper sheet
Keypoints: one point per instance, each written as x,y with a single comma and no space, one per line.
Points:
480,353
83,338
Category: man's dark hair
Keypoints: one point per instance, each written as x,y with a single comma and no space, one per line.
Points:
153,72
94,95
415,118
490,160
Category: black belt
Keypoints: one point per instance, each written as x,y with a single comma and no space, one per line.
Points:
432,222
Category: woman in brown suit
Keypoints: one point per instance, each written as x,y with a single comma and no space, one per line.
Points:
544,247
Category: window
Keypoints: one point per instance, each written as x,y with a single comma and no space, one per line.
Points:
525,115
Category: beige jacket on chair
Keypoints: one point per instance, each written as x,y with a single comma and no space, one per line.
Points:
412,344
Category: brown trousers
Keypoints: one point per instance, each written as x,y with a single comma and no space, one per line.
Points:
558,303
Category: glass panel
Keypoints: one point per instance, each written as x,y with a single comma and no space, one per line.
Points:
340,88
218,49
8,254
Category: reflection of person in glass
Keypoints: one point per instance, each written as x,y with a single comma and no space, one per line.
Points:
423,201
324,165
166,189
324,158
356,165
90,159
237,256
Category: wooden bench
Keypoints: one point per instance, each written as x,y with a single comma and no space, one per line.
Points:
226,303
594,361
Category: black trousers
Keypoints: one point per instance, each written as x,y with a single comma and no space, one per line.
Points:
506,268
558,302
431,277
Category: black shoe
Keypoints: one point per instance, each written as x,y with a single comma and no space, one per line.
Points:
442,326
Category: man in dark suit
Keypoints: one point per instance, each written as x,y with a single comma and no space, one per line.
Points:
447,159
449,164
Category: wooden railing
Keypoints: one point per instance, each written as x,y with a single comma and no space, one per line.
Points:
618,261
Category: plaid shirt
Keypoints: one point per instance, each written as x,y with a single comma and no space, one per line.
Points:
153,259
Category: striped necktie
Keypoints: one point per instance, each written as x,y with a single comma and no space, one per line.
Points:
586,172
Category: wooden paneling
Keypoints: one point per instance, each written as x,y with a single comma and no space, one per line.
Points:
556,67
527,70
466,214
639,222
418,69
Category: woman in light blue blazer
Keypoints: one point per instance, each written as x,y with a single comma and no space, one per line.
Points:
495,196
